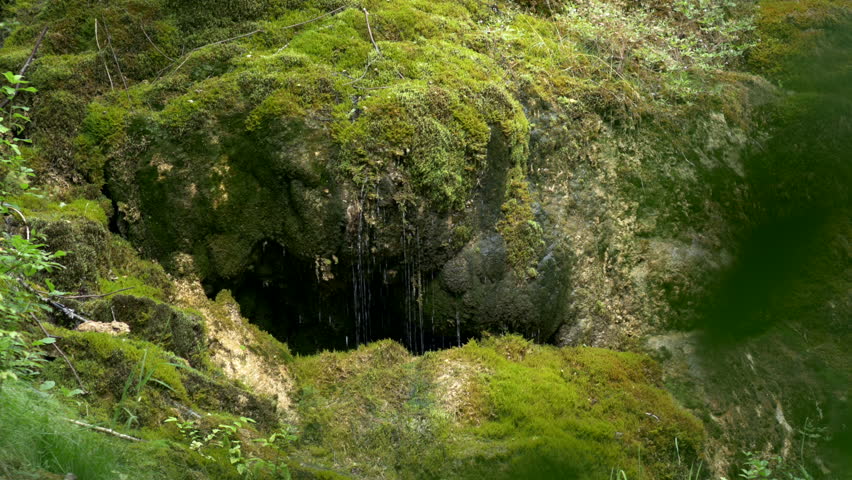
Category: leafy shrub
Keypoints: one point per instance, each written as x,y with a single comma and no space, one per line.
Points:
20,256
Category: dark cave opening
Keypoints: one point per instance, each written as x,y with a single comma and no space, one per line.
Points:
289,298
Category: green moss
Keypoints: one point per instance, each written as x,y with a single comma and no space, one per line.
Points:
791,31
520,231
280,104
105,363
84,241
126,269
101,131
592,414
179,332
430,132
61,112
526,411
317,108
134,285
65,72
43,208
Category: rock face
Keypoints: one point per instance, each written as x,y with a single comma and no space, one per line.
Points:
111,328
452,178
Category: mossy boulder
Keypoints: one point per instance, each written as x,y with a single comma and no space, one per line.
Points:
95,259
181,333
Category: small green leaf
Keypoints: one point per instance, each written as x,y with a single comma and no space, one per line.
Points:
47,385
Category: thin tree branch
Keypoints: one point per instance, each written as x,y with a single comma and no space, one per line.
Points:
338,9
115,58
35,50
27,64
108,431
20,214
154,44
106,67
210,45
61,354
370,30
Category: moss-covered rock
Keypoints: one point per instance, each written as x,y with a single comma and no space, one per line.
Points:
181,333
95,259
251,127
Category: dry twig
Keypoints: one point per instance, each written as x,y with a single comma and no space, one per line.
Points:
27,64
370,31
108,431
62,354
155,45
106,67
338,9
115,58
20,214
210,45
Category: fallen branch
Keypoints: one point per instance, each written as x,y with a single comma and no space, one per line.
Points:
61,354
67,311
26,65
108,431
99,295
370,30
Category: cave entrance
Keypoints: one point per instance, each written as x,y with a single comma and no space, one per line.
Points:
284,295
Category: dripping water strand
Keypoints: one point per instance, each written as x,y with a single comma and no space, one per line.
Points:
360,290
458,329
419,290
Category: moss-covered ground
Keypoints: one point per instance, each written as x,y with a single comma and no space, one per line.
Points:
501,408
